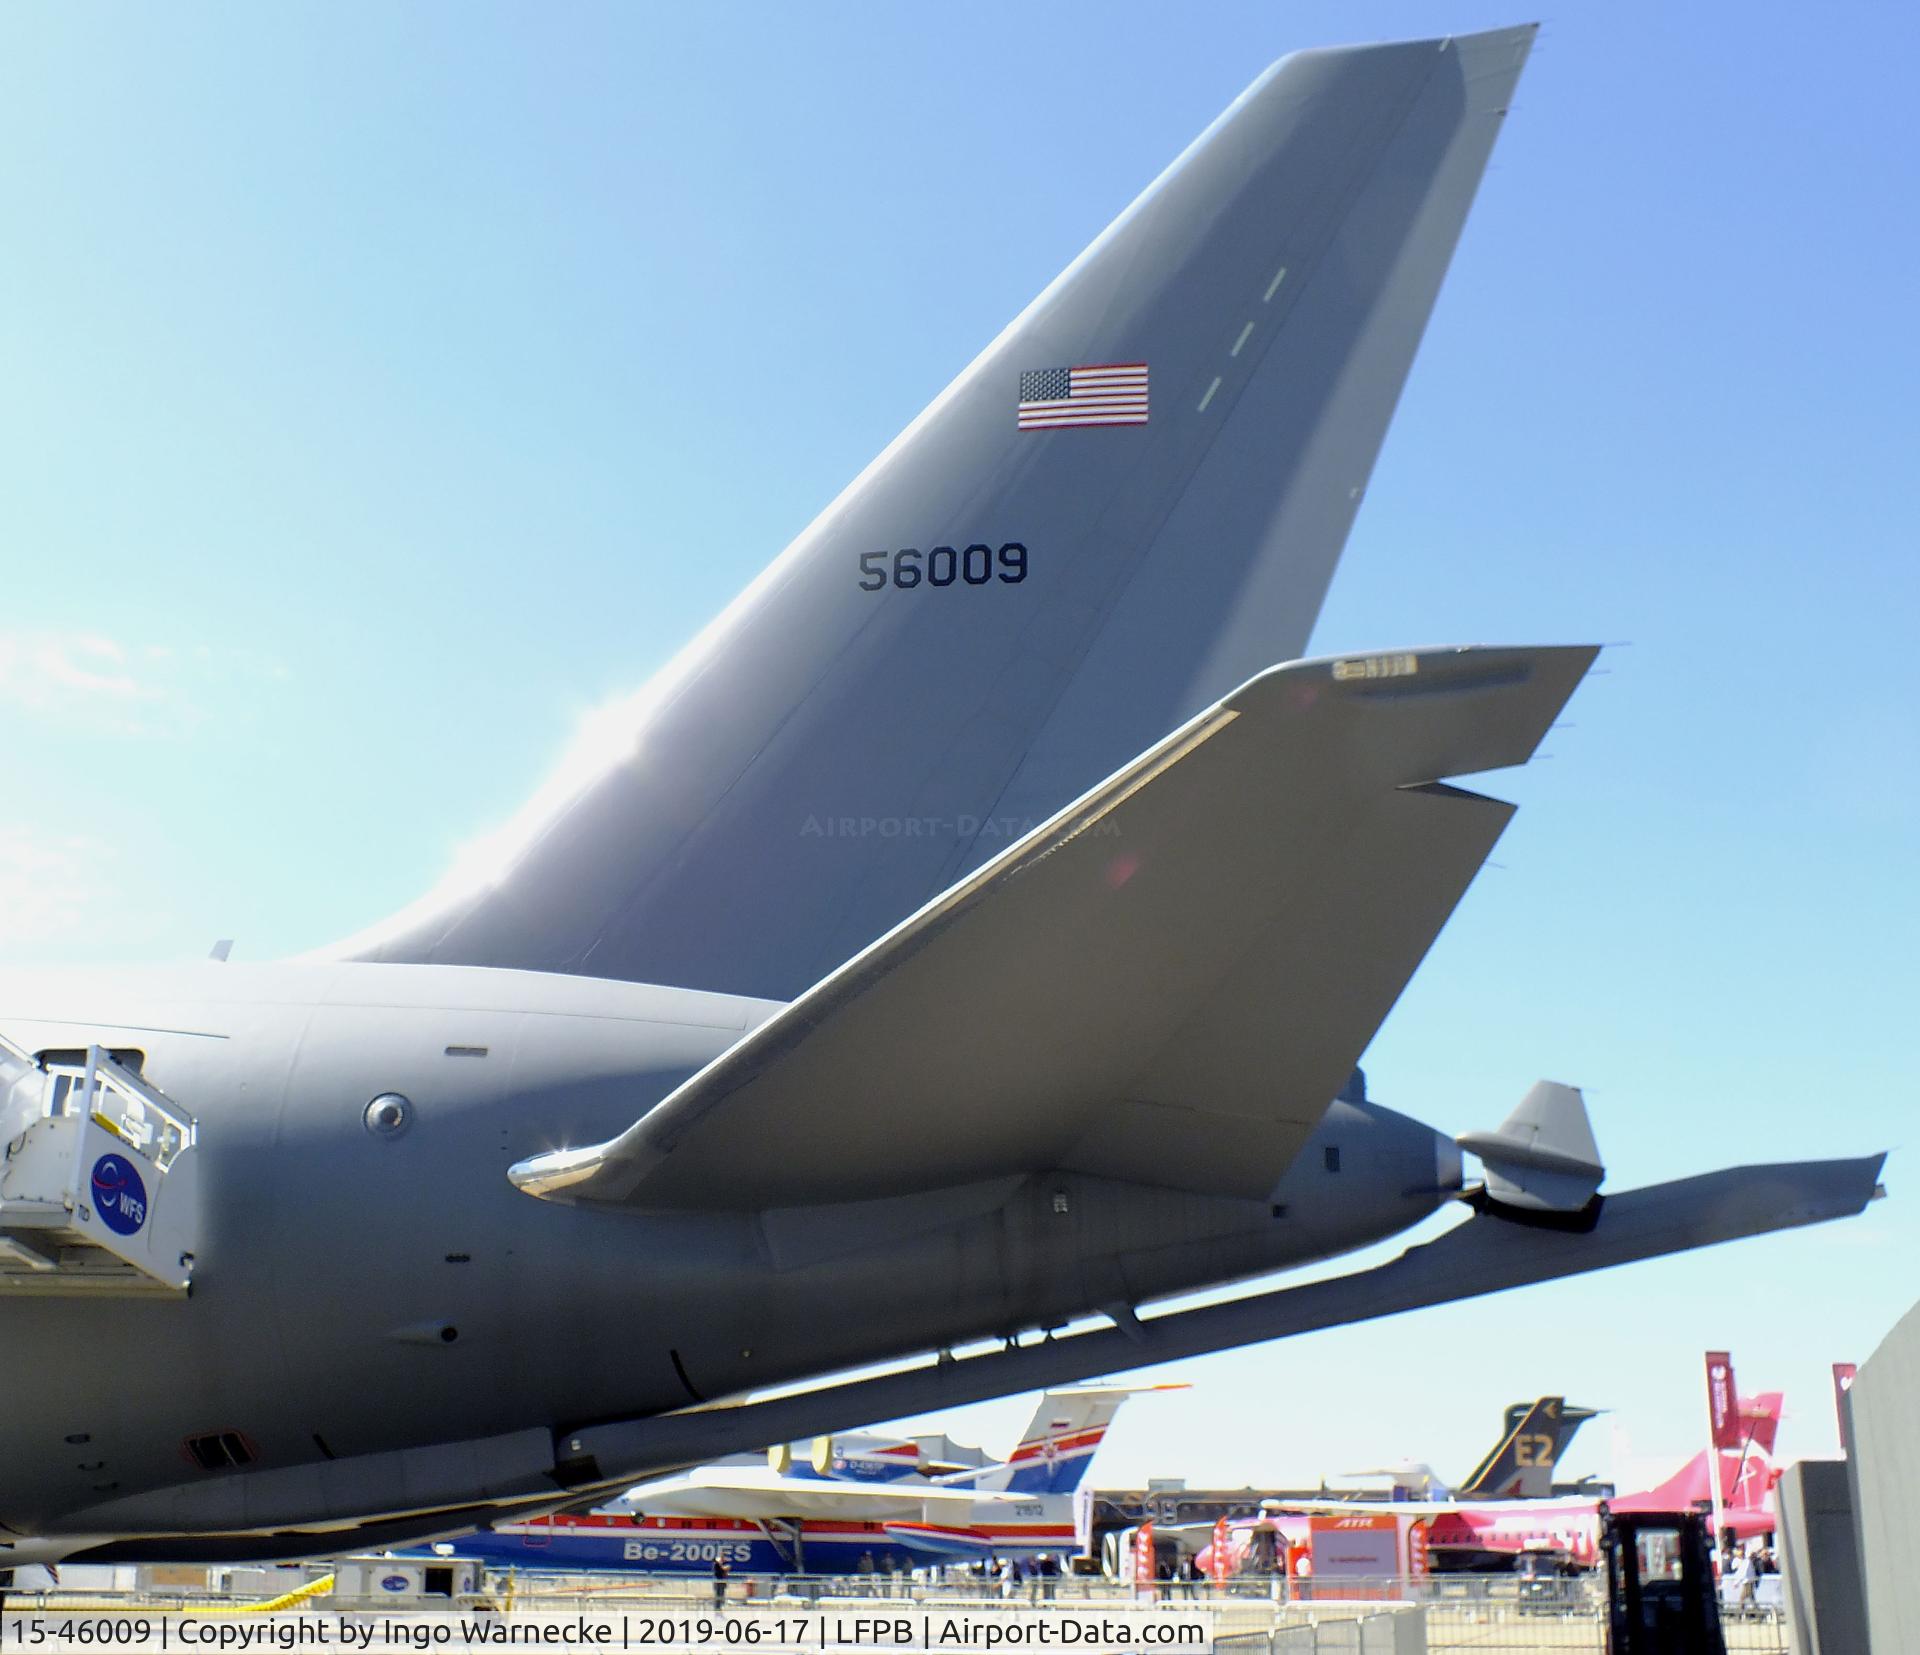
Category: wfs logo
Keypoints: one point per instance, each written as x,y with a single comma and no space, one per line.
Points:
118,1195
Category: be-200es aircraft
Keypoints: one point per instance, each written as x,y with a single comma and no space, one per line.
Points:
970,933
842,1503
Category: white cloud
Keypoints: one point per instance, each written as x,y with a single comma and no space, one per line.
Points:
50,889
44,673
90,684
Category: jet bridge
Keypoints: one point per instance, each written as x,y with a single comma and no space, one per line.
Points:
96,1174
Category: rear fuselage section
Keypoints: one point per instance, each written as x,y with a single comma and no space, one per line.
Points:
363,1286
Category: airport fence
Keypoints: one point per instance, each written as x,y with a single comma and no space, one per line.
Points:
1492,1614
1368,1630
961,1586
1459,1629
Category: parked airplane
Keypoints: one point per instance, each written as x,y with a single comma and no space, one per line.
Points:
1462,1534
1519,1466
974,902
846,1503
1487,1534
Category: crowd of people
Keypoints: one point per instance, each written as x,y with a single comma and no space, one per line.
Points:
1746,1571
1037,1578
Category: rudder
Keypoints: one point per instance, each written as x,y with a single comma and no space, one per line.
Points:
1060,1441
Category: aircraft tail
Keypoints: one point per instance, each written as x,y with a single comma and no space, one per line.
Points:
1760,1419
1059,1443
1534,1435
1747,1475
1746,1485
1131,502
1748,1478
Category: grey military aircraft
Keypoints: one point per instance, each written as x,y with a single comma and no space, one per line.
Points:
971,933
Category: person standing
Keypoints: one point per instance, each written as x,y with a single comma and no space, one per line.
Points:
720,1573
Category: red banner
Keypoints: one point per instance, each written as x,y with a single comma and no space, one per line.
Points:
1143,1576
1843,1373
1723,1413
1218,1562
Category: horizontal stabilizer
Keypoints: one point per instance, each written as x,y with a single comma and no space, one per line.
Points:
1543,1158
1166,983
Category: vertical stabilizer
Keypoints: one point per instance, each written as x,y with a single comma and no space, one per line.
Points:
1059,1443
1760,1418
1129,503
1520,1466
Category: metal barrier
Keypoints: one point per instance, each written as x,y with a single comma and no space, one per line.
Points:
1390,1631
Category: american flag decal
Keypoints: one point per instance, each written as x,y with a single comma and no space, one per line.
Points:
1104,393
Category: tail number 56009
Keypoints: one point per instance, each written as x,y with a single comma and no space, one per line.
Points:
975,565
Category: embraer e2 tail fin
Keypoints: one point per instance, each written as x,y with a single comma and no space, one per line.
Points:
1521,1464
1130,503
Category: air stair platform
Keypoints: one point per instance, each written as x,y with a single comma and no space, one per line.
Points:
96,1178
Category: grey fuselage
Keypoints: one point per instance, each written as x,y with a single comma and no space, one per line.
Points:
357,1295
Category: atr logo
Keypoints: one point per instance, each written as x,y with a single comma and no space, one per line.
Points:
394,1583
119,1197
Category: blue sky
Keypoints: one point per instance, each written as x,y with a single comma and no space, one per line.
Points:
387,387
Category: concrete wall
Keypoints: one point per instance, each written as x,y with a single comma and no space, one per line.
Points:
1826,1614
1885,1408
